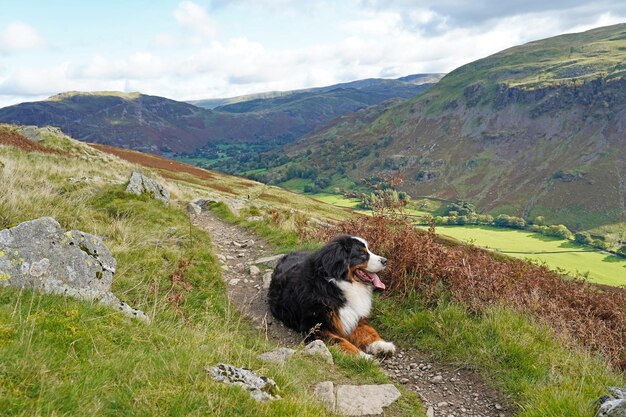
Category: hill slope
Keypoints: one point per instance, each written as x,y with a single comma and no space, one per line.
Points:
159,125
533,130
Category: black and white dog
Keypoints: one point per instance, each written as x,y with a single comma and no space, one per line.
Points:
331,291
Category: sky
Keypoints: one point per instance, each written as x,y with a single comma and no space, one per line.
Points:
198,49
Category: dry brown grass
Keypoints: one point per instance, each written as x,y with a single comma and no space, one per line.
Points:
476,278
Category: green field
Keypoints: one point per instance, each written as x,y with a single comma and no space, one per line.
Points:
561,255
570,257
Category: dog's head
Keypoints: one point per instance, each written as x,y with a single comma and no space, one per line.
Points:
349,258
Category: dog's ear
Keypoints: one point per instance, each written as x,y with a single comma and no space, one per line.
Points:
332,261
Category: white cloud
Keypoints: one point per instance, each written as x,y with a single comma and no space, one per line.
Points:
371,42
18,36
165,40
195,18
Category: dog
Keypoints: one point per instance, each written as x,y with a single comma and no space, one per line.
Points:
328,295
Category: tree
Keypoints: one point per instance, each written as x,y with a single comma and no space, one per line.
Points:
583,238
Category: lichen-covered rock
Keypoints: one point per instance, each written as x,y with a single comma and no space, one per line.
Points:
613,405
139,184
38,254
259,387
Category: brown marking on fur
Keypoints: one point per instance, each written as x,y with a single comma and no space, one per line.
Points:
343,343
364,335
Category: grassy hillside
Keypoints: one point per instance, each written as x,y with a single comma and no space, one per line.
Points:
531,131
60,356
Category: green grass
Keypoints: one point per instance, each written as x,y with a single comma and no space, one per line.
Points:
557,254
296,184
519,356
60,356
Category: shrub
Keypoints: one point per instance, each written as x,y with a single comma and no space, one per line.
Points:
583,238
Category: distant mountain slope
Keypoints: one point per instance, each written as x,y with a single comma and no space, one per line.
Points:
160,125
537,129
404,87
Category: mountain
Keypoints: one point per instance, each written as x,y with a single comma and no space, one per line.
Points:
160,125
534,130
383,89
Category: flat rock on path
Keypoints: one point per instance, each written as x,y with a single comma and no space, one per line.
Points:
449,390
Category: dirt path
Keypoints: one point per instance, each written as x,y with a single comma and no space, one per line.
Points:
447,389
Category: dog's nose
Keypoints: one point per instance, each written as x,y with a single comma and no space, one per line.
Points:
383,261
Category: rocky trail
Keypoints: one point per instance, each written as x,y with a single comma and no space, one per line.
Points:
446,389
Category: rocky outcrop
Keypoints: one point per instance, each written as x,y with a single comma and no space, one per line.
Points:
38,254
139,184
260,388
37,134
613,405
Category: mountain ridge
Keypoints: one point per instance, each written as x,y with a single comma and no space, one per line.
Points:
164,126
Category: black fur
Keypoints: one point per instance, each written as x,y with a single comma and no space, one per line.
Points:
301,293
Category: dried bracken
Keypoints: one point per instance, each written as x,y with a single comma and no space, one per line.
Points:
420,261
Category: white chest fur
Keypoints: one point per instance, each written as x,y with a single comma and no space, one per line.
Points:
358,304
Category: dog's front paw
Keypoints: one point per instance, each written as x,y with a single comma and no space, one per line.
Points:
381,348
366,356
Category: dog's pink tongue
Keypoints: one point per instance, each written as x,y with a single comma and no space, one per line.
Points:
376,281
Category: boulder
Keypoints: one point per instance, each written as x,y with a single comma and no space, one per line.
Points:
280,355
203,203
270,261
318,348
259,387
360,400
613,405
38,254
139,184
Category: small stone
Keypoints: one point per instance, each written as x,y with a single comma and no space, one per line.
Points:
404,381
233,281
267,279
318,348
270,261
498,407
442,404
280,355
221,257
325,392
254,270
438,379
430,412
359,400
260,388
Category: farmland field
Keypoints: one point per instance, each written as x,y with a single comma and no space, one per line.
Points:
557,254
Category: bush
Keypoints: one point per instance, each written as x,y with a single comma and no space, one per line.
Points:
583,238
